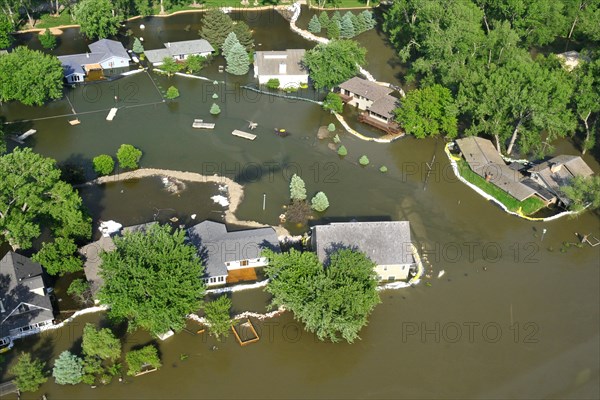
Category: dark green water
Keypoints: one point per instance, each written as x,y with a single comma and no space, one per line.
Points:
512,316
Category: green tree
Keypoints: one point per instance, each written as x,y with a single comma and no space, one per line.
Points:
96,18
172,93
68,369
47,39
334,29
586,99
100,343
342,151
58,257
80,290
320,202
30,76
217,315
369,19
6,28
363,160
331,127
170,66
194,63
428,112
137,360
297,188
152,279
31,192
238,62
229,42
347,29
216,25
332,302
273,83
215,109
244,35
333,63
583,192
29,374
314,25
128,156
103,164
324,19
138,47
333,103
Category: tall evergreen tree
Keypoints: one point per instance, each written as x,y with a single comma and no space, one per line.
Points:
347,27
216,25
238,62
324,19
334,29
6,27
229,42
369,20
314,25
244,35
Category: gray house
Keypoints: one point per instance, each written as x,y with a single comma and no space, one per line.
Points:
226,253
104,54
386,243
25,306
179,51
285,66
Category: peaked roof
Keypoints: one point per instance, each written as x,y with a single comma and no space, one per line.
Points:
19,277
216,245
267,62
110,48
384,242
185,47
101,51
385,106
367,89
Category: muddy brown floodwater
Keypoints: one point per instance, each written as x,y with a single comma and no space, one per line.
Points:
512,316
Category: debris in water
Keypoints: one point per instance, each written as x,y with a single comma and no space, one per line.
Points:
193,216
441,273
109,227
221,200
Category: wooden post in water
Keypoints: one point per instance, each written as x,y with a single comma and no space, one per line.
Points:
264,201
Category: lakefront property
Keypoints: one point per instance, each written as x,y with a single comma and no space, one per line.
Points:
285,66
179,51
104,55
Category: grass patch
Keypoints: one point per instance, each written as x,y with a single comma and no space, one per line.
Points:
527,206
346,4
50,21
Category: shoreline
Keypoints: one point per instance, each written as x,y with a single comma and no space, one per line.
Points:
235,191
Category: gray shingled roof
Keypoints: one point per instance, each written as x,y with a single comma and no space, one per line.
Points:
110,48
385,106
267,62
176,48
384,242
100,51
367,89
216,245
18,276
484,159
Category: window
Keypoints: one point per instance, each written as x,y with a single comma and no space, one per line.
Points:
244,263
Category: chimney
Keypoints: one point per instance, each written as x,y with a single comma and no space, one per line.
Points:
168,44
87,55
282,68
554,168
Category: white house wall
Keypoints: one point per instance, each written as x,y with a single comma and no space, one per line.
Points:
251,263
393,272
358,101
115,62
284,80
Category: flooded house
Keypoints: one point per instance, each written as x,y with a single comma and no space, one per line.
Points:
104,55
179,51
285,66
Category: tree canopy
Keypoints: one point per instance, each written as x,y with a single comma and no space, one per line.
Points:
217,315
237,59
32,195
59,257
30,76
137,360
333,63
216,25
6,28
100,343
68,369
29,374
334,301
128,156
152,279
96,18
583,192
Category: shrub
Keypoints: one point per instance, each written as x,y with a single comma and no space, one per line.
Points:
320,202
363,160
297,188
336,139
217,314
137,360
48,40
383,169
80,290
298,212
194,63
172,93
273,83
137,46
333,103
68,369
128,156
314,25
331,127
215,109
215,96
342,151
103,164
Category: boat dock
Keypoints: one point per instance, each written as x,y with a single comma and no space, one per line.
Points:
200,124
243,134
7,388
111,114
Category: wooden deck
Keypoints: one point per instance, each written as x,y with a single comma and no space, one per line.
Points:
390,127
241,275
345,98
243,134
112,113
200,124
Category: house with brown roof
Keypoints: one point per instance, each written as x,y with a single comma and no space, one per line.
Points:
374,99
558,172
285,66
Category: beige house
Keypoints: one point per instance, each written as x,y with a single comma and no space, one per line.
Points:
386,243
285,66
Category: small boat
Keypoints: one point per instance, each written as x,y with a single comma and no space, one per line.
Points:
6,344
281,132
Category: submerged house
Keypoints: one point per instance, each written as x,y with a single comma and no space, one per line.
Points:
104,54
374,99
231,256
179,51
285,66
557,172
386,243
25,305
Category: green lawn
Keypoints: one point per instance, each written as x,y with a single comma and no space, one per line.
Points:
50,21
527,206
347,3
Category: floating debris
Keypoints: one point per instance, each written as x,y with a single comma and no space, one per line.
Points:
109,227
441,273
281,132
173,185
221,200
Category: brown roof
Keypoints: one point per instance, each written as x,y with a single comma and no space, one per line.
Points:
574,164
91,266
559,171
385,106
367,89
267,62
484,159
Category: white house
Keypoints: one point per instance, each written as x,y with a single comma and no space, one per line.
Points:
104,54
386,243
286,66
223,252
25,306
179,51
